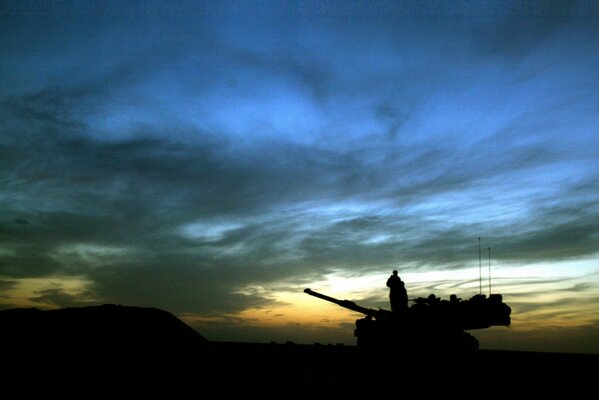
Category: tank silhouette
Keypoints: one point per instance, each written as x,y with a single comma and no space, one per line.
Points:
430,324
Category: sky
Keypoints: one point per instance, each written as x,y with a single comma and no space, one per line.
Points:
214,159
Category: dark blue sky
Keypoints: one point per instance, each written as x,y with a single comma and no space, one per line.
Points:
212,159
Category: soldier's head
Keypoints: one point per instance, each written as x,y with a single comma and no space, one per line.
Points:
395,272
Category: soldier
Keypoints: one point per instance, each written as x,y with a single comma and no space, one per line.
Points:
397,293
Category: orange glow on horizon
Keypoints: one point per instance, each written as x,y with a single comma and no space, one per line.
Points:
537,303
29,292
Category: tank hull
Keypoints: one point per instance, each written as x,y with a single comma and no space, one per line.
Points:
393,336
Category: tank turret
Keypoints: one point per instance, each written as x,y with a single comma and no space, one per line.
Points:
430,323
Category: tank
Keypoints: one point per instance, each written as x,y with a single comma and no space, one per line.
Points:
430,324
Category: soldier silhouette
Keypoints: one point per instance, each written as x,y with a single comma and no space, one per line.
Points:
397,293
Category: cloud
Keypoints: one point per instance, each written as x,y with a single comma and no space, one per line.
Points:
6,284
554,241
27,261
141,191
57,296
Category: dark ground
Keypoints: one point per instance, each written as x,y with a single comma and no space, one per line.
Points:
276,371
115,352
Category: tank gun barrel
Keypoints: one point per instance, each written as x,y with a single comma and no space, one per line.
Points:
344,303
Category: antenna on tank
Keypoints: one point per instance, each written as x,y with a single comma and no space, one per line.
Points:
488,248
480,274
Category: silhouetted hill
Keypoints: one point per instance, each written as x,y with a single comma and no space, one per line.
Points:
104,347
105,324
